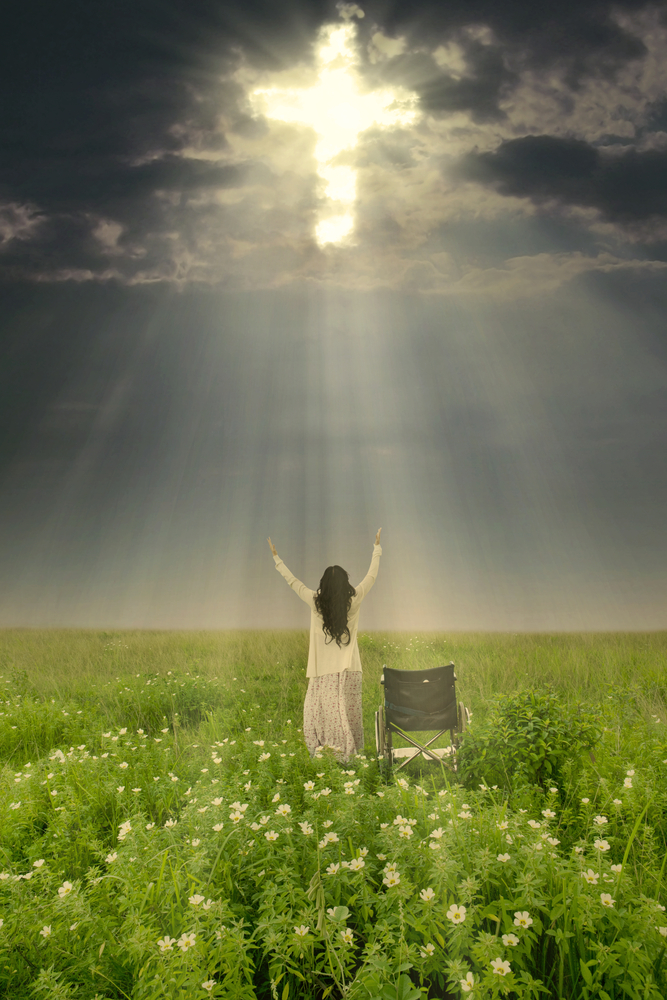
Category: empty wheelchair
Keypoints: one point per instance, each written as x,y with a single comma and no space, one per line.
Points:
419,701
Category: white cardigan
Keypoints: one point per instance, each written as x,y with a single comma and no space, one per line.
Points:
327,657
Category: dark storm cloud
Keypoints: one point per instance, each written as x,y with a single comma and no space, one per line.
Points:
624,186
441,94
478,95
587,25
124,196
580,36
98,103
108,185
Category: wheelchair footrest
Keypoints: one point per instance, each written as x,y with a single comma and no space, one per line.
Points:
409,751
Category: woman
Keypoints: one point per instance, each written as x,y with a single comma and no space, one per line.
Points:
332,713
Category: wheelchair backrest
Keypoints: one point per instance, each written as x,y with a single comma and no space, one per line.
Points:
420,700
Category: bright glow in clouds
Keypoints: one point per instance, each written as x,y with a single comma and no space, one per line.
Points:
338,111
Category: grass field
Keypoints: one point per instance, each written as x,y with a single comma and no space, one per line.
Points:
164,833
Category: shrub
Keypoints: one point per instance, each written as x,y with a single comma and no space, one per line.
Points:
525,739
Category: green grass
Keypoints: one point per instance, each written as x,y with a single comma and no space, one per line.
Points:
628,669
179,716
582,666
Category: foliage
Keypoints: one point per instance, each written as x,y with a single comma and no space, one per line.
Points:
158,860
526,739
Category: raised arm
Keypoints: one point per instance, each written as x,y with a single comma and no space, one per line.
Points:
297,586
362,589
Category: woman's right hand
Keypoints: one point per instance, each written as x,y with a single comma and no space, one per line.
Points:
377,537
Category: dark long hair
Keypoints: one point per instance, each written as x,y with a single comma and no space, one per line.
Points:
333,601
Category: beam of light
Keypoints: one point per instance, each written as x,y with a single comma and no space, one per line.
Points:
338,110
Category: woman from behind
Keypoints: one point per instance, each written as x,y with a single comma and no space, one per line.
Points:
332,711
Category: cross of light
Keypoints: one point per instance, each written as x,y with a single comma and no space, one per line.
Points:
336,109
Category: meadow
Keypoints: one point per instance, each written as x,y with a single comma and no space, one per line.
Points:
165,834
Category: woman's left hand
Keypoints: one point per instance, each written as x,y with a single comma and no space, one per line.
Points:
273,548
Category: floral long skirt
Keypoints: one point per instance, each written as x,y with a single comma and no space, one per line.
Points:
332,715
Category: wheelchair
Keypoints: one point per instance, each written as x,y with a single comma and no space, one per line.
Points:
419,701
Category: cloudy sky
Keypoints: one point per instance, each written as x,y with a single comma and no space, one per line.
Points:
306,270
